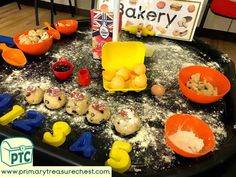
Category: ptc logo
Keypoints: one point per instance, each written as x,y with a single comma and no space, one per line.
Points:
16,151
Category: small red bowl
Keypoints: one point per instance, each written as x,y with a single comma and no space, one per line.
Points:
67,30
64,74
186,122
34,49
212,76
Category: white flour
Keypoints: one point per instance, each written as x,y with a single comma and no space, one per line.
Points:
187,141
150,151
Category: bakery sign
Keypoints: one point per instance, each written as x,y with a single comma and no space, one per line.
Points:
167,18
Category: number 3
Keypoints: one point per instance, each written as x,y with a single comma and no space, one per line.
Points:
60,131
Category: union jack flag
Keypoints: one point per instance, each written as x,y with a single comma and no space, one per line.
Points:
101,18
102,26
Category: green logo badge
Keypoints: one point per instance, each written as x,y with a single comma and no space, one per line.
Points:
16,151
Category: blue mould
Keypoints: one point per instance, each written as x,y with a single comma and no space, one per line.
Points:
84,146
34,119
6,102
6,39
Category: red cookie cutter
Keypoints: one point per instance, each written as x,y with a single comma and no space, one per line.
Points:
84,77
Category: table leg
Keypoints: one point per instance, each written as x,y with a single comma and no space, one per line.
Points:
71,9
92,4
52,9
36,12
205,14
75,7
18,3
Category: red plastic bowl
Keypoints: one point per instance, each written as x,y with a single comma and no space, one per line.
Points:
67,30
214,77
34,49
186,122
62,75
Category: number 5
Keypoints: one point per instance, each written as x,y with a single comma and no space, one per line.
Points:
119,158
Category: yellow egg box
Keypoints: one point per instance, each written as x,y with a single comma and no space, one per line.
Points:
120,58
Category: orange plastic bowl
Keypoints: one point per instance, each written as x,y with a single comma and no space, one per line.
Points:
67,30
34,49
186,122
214,77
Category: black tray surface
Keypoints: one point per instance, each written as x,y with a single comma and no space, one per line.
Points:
150,155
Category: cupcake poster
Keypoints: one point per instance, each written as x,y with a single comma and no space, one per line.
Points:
175,19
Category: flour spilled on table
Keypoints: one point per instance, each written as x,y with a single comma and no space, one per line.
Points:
150,151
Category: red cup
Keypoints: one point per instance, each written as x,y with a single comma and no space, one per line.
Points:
62,75
84,77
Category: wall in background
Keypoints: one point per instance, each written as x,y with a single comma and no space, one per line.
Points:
233,27
212,21
203,8
217,22
82,4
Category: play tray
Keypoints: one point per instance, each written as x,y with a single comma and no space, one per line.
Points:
150,156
